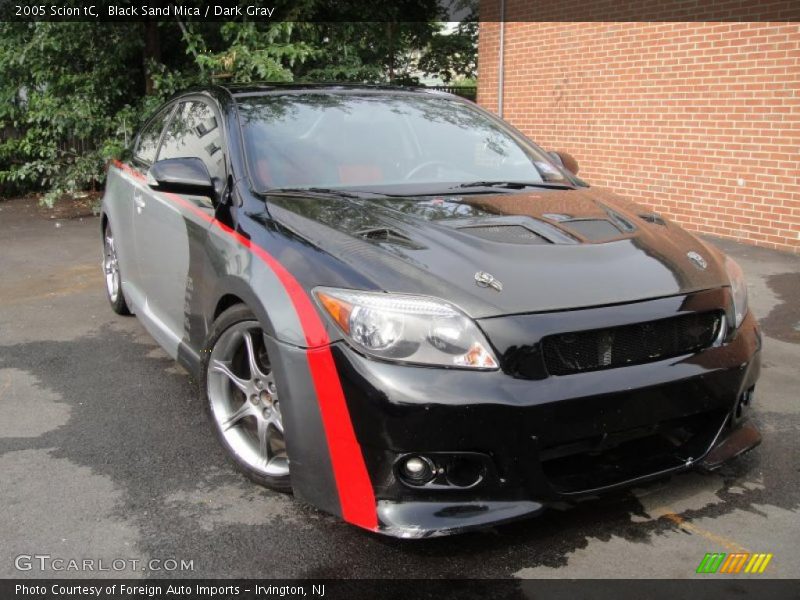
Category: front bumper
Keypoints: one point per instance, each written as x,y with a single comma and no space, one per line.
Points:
546,441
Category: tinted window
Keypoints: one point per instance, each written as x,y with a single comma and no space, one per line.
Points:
147,145
194,132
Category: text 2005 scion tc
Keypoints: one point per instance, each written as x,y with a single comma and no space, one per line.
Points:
411,316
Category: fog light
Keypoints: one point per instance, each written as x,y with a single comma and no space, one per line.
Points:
417,470
464,472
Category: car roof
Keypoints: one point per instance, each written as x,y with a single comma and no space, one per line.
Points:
227,94
268,88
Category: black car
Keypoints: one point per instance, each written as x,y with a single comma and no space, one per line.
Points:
408,314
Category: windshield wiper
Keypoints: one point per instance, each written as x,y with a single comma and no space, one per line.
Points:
313,191
514,185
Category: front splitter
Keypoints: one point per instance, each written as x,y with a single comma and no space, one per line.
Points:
432,519
737,441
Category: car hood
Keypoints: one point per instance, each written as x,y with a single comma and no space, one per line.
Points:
548,249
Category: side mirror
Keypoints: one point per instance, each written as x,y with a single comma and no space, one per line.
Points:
565,160
181,176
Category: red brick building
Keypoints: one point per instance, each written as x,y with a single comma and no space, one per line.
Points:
697,120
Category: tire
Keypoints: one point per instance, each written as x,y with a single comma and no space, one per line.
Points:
112,275
241,399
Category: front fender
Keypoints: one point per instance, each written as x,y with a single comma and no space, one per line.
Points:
327,464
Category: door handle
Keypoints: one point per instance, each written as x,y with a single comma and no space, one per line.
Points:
138,200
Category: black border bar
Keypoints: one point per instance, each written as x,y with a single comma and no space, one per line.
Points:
400,10
708,588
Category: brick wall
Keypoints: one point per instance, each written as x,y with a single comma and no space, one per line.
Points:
697,120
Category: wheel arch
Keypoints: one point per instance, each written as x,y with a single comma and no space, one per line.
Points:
232,290
105,223
224,303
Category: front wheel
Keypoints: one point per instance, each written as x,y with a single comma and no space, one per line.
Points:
242,399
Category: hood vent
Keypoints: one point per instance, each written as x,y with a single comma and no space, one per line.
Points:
509,234
654,218
620,222
388,236
594,230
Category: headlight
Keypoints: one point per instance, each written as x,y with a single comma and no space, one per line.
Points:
414,329
738,289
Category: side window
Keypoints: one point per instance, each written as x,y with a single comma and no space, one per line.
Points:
194,132
147,145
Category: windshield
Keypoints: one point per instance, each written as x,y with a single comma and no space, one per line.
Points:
371,141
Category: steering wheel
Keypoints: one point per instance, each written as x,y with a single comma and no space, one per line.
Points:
426,165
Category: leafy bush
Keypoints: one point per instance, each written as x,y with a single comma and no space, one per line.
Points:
73,94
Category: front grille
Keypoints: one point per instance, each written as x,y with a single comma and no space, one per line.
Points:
619,457
596,349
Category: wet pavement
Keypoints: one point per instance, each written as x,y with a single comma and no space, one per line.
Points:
105,453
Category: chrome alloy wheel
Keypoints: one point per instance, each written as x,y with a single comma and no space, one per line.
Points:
111,266
243,398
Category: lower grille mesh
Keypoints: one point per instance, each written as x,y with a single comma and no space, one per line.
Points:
596,349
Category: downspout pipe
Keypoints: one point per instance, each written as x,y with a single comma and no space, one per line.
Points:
500,65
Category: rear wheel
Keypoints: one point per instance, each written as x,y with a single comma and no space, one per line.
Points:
112,274
242,398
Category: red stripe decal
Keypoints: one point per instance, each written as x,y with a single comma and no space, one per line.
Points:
356,496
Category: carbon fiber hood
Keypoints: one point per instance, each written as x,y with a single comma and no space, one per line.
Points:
550,249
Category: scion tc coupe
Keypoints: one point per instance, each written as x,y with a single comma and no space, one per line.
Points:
407,313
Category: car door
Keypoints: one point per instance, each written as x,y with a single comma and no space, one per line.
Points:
165,222
123,190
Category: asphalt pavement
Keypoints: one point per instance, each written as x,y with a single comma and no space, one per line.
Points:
105,454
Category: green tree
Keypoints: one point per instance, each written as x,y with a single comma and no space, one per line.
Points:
61,85
453,56
72,94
